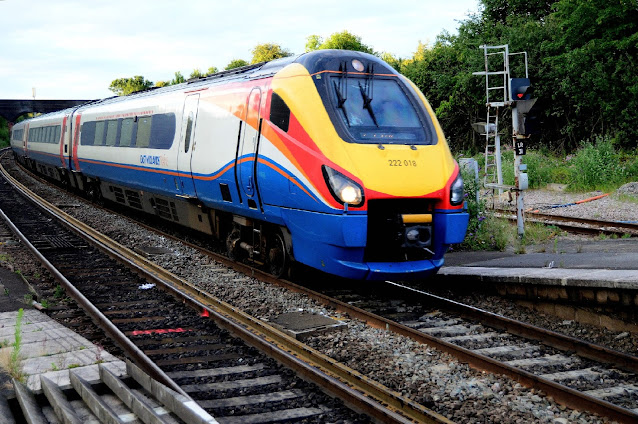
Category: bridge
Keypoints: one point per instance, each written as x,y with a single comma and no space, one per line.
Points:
13,109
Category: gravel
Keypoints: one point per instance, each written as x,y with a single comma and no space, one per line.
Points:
428,376
621,205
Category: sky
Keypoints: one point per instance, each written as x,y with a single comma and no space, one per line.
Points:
69,49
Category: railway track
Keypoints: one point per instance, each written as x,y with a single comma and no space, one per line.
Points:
577,373
575,225
184,349
591,378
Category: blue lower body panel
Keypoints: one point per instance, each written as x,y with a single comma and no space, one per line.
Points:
336,244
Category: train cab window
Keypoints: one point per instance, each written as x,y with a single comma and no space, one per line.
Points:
126,133
379,110
143,131
111,132
99,133
279,112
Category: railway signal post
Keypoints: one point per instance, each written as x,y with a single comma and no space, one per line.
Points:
501,91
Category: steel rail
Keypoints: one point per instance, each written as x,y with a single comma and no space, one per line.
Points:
355,389
101,320
591,226
560,393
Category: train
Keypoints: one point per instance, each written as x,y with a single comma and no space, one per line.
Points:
330,159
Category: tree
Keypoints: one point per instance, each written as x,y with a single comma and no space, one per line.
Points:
313,42
196,74
4,132
125,86
212,70
235,63
179,78
343,40
162,83
267,52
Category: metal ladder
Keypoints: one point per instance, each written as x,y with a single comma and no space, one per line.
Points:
496,93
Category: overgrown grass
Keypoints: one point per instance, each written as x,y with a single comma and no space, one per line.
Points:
488,232
11,360
595,166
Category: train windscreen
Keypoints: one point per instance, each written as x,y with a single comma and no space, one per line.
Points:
378,110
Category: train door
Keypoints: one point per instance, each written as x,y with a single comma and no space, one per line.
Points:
247,151
184,180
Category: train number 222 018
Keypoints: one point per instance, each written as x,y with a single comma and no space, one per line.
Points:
399,162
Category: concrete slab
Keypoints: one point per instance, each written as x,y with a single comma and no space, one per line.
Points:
578,263
49,348
303,324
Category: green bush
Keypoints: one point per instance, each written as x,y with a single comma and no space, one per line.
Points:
596,167
484,231
4,133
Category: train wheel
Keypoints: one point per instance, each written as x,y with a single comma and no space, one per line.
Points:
277,257
232,245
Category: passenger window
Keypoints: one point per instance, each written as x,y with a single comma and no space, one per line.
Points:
99,134
162,131
126,133
87,135
143,131
58,131
189,129
111,132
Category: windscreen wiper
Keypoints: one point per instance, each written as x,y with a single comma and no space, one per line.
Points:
342,89
366,93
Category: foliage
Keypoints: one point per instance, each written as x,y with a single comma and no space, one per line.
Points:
267,52
179,78
313,42
162,83
196,74
212,70
4,132
235,63
343,40
125,86
15,366
484,231
597,166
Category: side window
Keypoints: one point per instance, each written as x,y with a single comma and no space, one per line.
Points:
162,131
279,112
126,133
58,131
111,132
189,130
99,133
87,136
143,131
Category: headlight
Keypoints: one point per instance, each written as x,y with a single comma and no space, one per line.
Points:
456,191
342,188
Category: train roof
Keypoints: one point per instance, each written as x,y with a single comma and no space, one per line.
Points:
315,61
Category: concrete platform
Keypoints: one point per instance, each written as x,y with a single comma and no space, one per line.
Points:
585,263
50,349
